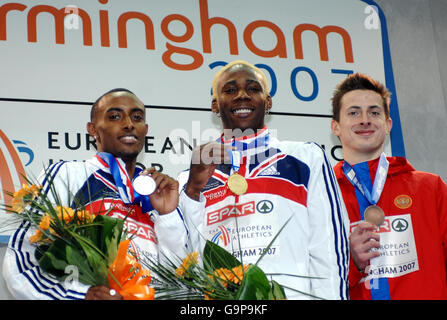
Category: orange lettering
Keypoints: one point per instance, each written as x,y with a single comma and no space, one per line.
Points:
168,34
207,23
104,25
59,16
122,29
167,55
4,9
322,40
167,58
280,48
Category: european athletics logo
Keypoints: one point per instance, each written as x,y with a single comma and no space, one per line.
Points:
221,235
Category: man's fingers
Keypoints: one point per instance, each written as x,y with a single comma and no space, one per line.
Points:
148,171
212,153
102,293
164,181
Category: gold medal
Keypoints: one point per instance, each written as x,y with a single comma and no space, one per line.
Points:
375,215
237,184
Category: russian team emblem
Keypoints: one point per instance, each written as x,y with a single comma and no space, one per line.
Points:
403,201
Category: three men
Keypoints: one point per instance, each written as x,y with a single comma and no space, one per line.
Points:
248,187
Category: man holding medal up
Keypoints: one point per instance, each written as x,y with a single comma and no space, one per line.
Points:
243,188
398,215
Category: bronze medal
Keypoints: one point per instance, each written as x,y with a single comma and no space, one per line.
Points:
375,215
237,184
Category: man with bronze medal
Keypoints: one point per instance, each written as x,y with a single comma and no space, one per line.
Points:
250,184
398,215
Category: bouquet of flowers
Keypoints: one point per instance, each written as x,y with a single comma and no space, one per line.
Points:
220,276
92,242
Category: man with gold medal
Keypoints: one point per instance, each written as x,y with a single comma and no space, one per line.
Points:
243,188
398,215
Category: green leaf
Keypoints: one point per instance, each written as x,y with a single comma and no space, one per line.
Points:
109,235
85,273
105,234
53,260
255,285
96,261
215,257
277,292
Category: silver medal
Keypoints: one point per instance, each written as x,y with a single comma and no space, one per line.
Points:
144,185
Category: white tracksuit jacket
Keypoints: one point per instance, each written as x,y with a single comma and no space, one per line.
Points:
24,278
285,180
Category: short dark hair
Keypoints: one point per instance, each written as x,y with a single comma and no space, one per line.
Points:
95,104
359,81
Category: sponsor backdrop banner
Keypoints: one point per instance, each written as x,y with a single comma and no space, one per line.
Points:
57,57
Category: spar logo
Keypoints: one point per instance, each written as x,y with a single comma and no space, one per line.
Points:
230,211
141,229
11,169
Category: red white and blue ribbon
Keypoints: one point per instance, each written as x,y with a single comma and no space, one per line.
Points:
123,183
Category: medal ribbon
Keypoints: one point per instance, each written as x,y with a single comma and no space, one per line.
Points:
123,183
379,287
235,155
379,180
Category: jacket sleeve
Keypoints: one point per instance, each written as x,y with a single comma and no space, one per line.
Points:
329,224
442,212
179,232
21,271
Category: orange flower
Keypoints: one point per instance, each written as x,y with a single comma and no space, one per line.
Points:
239,274
84,216
64,213
18,205
36,237
190,260
24,196
225,275
45,222
133,281
234,275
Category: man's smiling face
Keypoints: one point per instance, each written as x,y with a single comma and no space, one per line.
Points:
242,99
363,124
120,125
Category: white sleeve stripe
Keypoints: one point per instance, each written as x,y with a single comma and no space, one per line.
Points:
49,174
341,244
188,240
338,243
38,280
41,282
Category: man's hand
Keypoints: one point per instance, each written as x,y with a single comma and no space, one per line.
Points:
102,293
165,197
361,241
205,159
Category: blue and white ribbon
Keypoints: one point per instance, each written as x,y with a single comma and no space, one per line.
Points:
379,180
